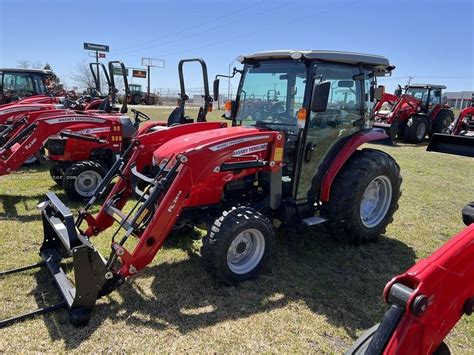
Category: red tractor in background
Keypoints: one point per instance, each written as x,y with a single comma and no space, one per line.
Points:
80,165
459,139
414,114
301,166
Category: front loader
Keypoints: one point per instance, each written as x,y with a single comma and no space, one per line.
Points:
426,301
459,139
300,165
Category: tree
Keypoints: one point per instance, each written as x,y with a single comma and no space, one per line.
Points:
56,84
29,64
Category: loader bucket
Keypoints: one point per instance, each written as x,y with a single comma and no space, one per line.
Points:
452,144
62,240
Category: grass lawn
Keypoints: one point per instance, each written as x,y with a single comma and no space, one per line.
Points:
317,296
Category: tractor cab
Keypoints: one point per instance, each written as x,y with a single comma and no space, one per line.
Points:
428,94
19,83
318,99
135,88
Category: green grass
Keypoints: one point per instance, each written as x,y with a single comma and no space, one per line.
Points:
317,296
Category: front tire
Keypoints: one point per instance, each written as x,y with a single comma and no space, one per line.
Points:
442,121
82,178
57,175
364,197
416,129
238,245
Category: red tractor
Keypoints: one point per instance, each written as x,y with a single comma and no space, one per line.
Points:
79,165
414,114
459,139
426,301
301,166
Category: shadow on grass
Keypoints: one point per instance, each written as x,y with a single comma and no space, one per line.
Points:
344,283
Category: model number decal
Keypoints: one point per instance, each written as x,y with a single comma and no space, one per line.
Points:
173,205
220,146
250,149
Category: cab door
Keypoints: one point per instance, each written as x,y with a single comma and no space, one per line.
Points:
327,131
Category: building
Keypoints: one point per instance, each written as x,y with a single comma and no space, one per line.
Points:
459,100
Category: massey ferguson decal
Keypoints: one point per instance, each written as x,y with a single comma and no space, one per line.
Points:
234,142
74,119
249,150
20,109
94,130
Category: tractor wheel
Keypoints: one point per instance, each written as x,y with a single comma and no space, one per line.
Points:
364,197
56,175
361,345
79,317
82,178
150,100
136,99
31,161
238,245
416,129
442,121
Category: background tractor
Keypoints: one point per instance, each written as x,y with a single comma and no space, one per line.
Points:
138,97
459,139
22,83
414,114
300,166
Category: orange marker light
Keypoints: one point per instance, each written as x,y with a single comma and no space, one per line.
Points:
301,118
228,109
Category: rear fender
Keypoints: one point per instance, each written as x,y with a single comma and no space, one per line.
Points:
343,156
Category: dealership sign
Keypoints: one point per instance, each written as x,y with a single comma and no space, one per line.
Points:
96,47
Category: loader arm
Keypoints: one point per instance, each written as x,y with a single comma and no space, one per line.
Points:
29,140
426,301
141,156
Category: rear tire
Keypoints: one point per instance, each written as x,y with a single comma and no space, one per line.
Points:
82,178
416,129
364,197
238,245
136,99
442,121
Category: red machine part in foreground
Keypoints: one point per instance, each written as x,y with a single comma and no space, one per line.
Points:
426,301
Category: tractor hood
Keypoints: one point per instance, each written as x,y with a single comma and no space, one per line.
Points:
214,140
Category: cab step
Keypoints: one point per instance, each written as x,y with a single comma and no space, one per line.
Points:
312,221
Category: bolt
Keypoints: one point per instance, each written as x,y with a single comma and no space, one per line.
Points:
132,269
109,275
272,164
183,159
419,306
217,169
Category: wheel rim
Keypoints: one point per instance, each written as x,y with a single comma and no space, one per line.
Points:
376,201
30,160
421,130
86,182
246,251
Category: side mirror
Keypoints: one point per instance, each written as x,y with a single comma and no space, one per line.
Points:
216,89
320,96
379,92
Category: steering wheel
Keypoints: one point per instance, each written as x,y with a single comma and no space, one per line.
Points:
139,117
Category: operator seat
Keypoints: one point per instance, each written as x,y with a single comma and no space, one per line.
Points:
105,106
177,117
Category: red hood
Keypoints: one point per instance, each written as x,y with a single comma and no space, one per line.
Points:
212,139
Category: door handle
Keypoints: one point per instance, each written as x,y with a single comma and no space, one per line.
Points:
309,151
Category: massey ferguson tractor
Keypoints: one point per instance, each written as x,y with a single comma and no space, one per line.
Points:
426,301
79,165
459,139
303,165
414,114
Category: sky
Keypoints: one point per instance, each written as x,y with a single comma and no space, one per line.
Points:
431,41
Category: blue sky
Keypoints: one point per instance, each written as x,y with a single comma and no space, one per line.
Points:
432,41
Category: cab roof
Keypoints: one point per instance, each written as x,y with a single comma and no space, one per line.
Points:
26,70
426,86
327,55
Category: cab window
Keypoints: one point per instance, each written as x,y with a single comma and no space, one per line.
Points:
17,84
